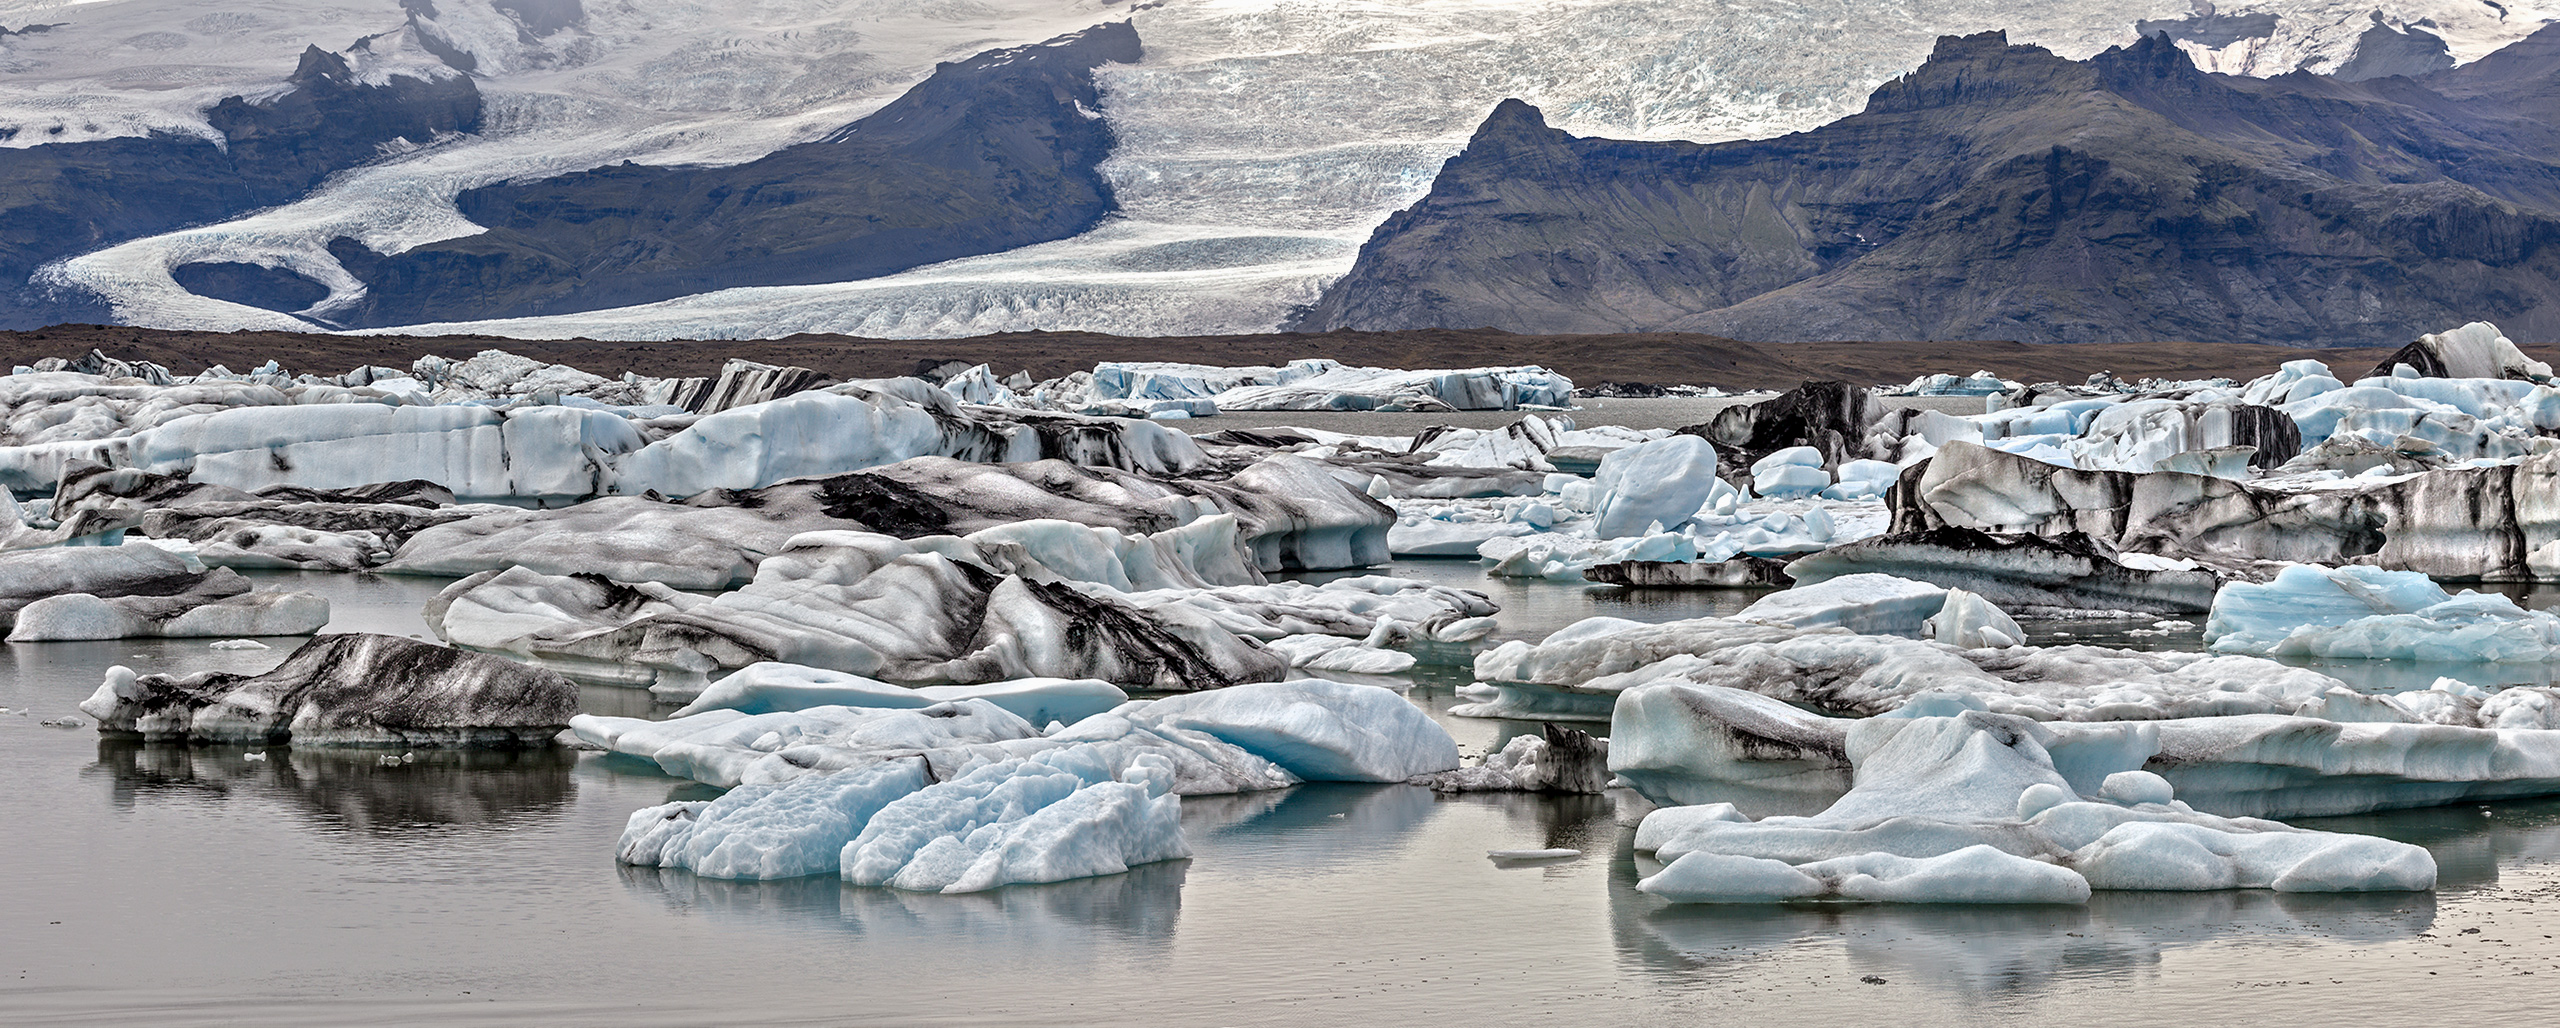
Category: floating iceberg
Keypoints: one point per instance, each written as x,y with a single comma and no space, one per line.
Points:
347,690
2368,613
1972,809
1317,384
1579,671
1677,741
538,445
1661,483
1868,604
121,592
2020,571
1556,759
963,795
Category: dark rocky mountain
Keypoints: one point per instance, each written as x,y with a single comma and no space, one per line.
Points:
60,199
987,154
2002,192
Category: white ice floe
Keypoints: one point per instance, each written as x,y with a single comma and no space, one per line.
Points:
1868,604
1678,741
1662,483
962,795
140,590
1967,621
780,688
1250,737
2372,614
537,446
1317,384
1578,672
1972,809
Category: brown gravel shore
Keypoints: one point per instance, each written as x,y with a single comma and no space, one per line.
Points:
1660,358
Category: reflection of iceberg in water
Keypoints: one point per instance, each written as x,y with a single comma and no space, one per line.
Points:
1312,828
1996,952
1041,921
2470,841
1991,951
1305,830
349,790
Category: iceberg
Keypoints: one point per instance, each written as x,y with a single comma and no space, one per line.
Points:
1317,384
1556,759
2020,571
1038,819
140,590
2371,614
355,689
781,688
1868,604
1251,737
1972,808
1677,741
1662,483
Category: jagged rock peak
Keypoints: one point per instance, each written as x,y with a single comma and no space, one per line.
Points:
1512,119
1972,70
320,65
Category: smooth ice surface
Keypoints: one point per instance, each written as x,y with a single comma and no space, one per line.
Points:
1971,809
1868,604
1662,482
1039,819
1319,730
1680,741
2370,613
773,688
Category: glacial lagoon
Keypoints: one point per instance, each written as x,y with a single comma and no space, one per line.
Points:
166,884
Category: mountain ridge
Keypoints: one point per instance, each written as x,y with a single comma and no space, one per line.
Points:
2003,192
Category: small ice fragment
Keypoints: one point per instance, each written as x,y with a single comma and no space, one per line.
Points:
1559,854
63,722
254,755
240,644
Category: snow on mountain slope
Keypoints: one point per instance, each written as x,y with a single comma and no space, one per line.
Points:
1260,140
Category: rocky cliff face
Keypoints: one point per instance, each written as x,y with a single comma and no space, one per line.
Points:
2001,192
988,154
60,199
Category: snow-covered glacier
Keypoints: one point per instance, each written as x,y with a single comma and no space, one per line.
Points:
1259,140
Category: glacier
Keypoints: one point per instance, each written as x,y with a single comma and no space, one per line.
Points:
1255,149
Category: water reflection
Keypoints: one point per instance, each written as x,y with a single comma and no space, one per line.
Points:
347,790
1027,921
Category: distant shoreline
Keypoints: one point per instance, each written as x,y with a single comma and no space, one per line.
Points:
1661,358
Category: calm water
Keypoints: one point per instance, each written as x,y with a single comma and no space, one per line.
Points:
170,885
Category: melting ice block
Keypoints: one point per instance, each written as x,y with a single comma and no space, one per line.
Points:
2370,613
1661,482
1971,808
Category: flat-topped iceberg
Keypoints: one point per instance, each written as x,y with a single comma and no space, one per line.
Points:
1678,741
2373,614
141,590
1972,809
